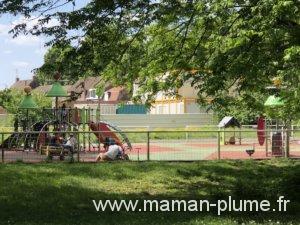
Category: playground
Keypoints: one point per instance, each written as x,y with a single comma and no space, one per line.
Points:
45,140
166,149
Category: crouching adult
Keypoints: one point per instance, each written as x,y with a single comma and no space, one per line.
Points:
112,151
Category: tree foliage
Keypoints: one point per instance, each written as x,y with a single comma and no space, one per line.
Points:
59,59
224,48
10,99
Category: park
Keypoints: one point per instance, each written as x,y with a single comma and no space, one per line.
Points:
149,112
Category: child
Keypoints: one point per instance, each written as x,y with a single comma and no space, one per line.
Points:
71,143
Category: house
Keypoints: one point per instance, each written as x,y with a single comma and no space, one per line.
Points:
186,102
83,93
85,89
21,84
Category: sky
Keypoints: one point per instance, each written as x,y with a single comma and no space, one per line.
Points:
19,56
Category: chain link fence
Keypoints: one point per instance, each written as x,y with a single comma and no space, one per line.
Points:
184,145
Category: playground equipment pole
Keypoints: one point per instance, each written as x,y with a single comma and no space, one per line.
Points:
78,146
266,140
89,128
98,109
84,124
56,108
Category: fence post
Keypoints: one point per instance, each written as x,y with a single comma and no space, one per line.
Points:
148,146
219,146
78,145
2,149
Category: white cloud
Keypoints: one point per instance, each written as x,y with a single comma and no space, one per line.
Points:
3,86
7,51
4,28
33,21
41,51
20,64
27,40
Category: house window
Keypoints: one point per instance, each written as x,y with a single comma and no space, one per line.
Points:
92,94
107,95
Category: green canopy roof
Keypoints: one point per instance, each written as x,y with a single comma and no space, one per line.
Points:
57,91
28,103
274,101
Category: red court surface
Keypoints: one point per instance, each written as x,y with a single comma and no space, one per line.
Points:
215,145
164,150
244,155
142,149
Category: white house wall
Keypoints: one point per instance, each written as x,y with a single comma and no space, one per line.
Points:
152,121
104,108
194,108
176,108
173,107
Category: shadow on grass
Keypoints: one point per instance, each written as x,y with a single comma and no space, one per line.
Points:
62,194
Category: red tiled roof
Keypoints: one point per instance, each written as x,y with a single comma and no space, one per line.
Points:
45,88
117,94
86,83
95,101
21,84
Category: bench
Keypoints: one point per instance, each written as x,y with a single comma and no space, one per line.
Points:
51,151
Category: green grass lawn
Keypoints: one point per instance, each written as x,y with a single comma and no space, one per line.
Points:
61,193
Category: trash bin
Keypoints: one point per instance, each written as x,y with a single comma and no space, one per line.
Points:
277,145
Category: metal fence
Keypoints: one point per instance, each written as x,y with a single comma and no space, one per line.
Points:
176,145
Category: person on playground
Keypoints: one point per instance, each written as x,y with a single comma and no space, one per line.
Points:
71,143
55,140
112,151
63,113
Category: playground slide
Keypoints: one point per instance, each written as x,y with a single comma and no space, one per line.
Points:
107,132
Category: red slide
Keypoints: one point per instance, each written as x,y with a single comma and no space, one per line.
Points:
105,132
261,130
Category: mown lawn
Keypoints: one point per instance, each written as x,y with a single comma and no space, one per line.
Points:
60,193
